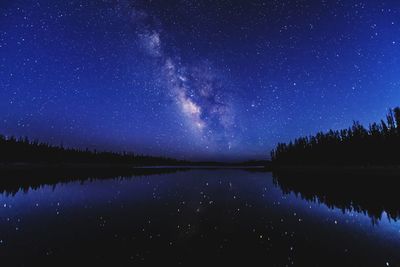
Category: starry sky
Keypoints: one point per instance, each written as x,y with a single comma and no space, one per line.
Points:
219,80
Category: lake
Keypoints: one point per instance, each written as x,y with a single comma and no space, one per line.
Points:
196,217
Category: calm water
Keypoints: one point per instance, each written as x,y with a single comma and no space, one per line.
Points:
189,218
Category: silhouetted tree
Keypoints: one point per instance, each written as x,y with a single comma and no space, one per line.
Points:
397,118
379,144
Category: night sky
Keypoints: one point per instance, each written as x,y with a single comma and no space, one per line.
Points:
194,79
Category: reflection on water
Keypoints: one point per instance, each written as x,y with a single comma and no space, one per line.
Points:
197,217
374,196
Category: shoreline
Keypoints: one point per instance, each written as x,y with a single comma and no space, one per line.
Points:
21,166
26,168
389,170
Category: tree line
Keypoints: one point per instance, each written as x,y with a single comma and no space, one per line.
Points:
379,144
23,150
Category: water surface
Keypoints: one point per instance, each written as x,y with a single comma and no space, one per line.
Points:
190,218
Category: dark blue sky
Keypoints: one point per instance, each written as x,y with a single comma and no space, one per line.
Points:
194,79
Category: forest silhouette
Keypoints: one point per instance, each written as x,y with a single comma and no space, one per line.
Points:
22,150
376,145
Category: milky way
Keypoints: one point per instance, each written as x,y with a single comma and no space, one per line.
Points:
196,90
